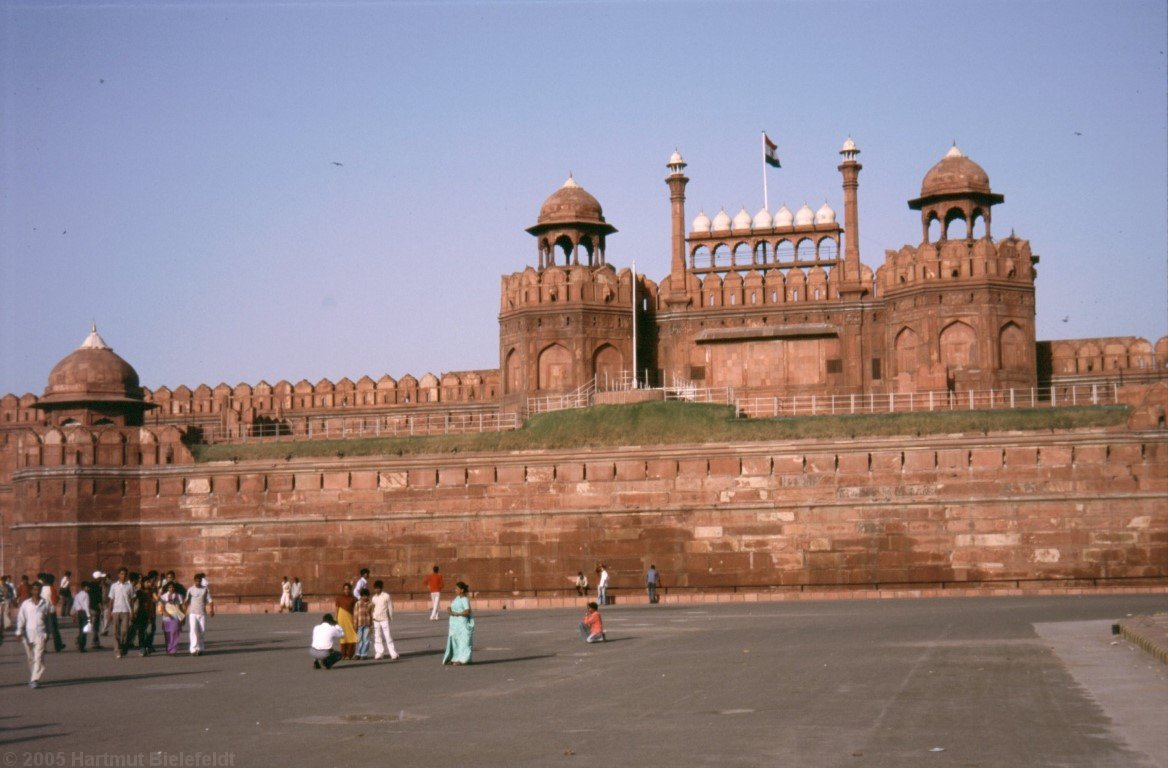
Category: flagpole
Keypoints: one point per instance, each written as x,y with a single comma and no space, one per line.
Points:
634,292
765,199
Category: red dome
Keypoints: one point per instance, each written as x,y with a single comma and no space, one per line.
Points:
955,174
570,203
92,373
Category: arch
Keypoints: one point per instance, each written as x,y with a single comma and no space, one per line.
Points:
554,370
980,226
933,228
721,255
907,350
805,250
741,254
827,249
953,229
785,251
958,344
700,257
607,366
762,250
1012,346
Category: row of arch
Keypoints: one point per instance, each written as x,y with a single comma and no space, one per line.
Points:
957,224
956,259
1088,356
774,286
554,369
762,252
82,446
567,284
957,348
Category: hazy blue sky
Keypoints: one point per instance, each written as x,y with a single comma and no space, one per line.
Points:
167,168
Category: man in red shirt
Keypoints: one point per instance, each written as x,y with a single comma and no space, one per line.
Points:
434,583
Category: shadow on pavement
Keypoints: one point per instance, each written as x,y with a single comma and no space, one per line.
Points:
514,658
37,737
107,679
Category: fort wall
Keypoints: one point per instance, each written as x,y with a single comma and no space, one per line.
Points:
1082,505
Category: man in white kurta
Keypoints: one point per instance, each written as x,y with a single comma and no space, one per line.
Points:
32,627
382,615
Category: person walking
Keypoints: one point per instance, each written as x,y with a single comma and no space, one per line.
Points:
65,594
96,606
652,581
7,595
460,635
433,583
285,595
382,615
324,635
121,596
172,616
32,626
80,609
144,616
199,605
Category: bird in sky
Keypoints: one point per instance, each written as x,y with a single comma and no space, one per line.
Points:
338,164
1067,319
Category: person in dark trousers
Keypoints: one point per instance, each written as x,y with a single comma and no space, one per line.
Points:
324,637
652,581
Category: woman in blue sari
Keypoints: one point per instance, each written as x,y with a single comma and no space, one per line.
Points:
461,635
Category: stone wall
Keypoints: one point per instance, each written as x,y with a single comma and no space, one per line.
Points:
969,508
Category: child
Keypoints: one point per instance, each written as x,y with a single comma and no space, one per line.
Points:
364,620
591,628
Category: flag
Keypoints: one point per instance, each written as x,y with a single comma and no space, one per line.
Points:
770,151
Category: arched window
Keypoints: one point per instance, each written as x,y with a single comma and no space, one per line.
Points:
959,346
805,250
828,250
785,251
1012,348
907,342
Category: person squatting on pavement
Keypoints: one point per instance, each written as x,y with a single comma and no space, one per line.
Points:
324,636
592,628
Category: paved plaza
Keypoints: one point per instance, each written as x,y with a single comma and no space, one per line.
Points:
1003,681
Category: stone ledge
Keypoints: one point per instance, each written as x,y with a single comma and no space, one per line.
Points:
619,598
1149,633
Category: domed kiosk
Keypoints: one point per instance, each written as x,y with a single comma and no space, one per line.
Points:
93,386
571,219
956,188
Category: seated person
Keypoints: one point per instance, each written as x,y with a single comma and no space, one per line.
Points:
324,636
591,628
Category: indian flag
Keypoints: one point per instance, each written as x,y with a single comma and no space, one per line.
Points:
770,151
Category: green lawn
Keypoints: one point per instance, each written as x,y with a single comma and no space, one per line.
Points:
668,423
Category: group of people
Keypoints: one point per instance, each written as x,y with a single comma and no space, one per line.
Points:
131,604
362,618
652,584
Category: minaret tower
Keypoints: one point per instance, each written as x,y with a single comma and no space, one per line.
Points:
850,169
677,181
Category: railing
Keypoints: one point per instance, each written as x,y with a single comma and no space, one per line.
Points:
933,400
581,398
353,427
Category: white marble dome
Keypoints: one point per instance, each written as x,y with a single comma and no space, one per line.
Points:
763,219
825,215
721,221
701,222
804,216
784,217
742,219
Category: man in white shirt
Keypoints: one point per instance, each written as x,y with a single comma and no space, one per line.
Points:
121,596
80,608
362,583
297,595
199,604
382,615
602,586
32,626
324,635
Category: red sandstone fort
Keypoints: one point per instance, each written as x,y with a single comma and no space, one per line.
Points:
774,312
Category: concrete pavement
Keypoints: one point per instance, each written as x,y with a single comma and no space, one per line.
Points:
1006,681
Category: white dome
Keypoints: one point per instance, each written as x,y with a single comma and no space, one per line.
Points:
763,220
701,223
721,221
804,216
849,146
676,159
742,219
825,215
954,151
784,217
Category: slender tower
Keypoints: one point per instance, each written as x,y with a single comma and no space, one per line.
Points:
850,168
677,181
